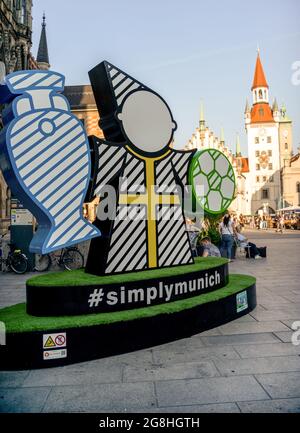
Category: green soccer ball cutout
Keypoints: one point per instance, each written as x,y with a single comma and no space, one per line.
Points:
211,170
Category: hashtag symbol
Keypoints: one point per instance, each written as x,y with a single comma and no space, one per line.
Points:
95,298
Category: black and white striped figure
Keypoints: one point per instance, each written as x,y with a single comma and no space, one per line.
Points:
45,158
148,228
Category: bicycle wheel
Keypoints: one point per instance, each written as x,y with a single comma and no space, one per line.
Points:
18,263
72,259
42,262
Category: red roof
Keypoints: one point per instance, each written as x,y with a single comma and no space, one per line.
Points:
259,79
261,113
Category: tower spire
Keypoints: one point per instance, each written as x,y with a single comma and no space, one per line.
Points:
238,146
42,56
202,121
259,79
222,140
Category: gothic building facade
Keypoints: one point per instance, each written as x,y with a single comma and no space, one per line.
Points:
15,54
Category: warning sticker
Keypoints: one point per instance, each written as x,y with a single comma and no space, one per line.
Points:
52,341
54,354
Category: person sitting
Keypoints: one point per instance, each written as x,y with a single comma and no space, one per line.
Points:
209,249
244,242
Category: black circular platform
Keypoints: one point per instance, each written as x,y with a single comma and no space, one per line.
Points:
108,295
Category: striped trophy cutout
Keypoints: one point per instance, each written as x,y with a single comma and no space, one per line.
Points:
47,160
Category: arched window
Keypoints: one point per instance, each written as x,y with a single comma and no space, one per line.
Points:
260,95
298,187
23,12
265,93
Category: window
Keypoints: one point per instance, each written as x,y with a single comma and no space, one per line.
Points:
270,166
257,179
269,139
260,95
261,112
271,179
298,187
23,12
265,93
265,193
264,178
257,167
286,146
256,140
270,152
257,153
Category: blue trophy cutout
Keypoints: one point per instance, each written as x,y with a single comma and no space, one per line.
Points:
46,158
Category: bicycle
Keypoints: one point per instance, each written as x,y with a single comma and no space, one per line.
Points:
16,261
70,258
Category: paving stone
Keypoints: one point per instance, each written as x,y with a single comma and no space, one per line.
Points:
209,332
280,385
23,399
75,375
139,357
236,367
183,344
170,371
202,408
285,337
290,405
213,390
245,319
161,356
239,339
252,328
262,350
92,398
270,316
12,379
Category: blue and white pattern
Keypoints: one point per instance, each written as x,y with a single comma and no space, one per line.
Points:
47,160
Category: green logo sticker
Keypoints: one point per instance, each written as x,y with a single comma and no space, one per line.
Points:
211,170
241,301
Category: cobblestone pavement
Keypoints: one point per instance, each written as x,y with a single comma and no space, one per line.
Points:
248,365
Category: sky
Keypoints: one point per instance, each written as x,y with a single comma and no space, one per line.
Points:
186,51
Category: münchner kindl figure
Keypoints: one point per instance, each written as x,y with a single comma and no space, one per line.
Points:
148,228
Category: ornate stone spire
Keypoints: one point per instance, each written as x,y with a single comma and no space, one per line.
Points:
42,56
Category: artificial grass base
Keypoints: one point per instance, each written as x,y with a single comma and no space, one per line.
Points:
80,278
17,320
98,335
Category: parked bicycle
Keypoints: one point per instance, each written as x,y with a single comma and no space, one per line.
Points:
68,258
16,261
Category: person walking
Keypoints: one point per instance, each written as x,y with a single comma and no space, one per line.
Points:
281,224
227,231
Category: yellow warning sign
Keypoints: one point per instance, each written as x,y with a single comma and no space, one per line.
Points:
49,342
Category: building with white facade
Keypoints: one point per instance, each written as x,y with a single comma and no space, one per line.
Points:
269,137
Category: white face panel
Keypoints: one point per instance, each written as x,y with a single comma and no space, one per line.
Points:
147,122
